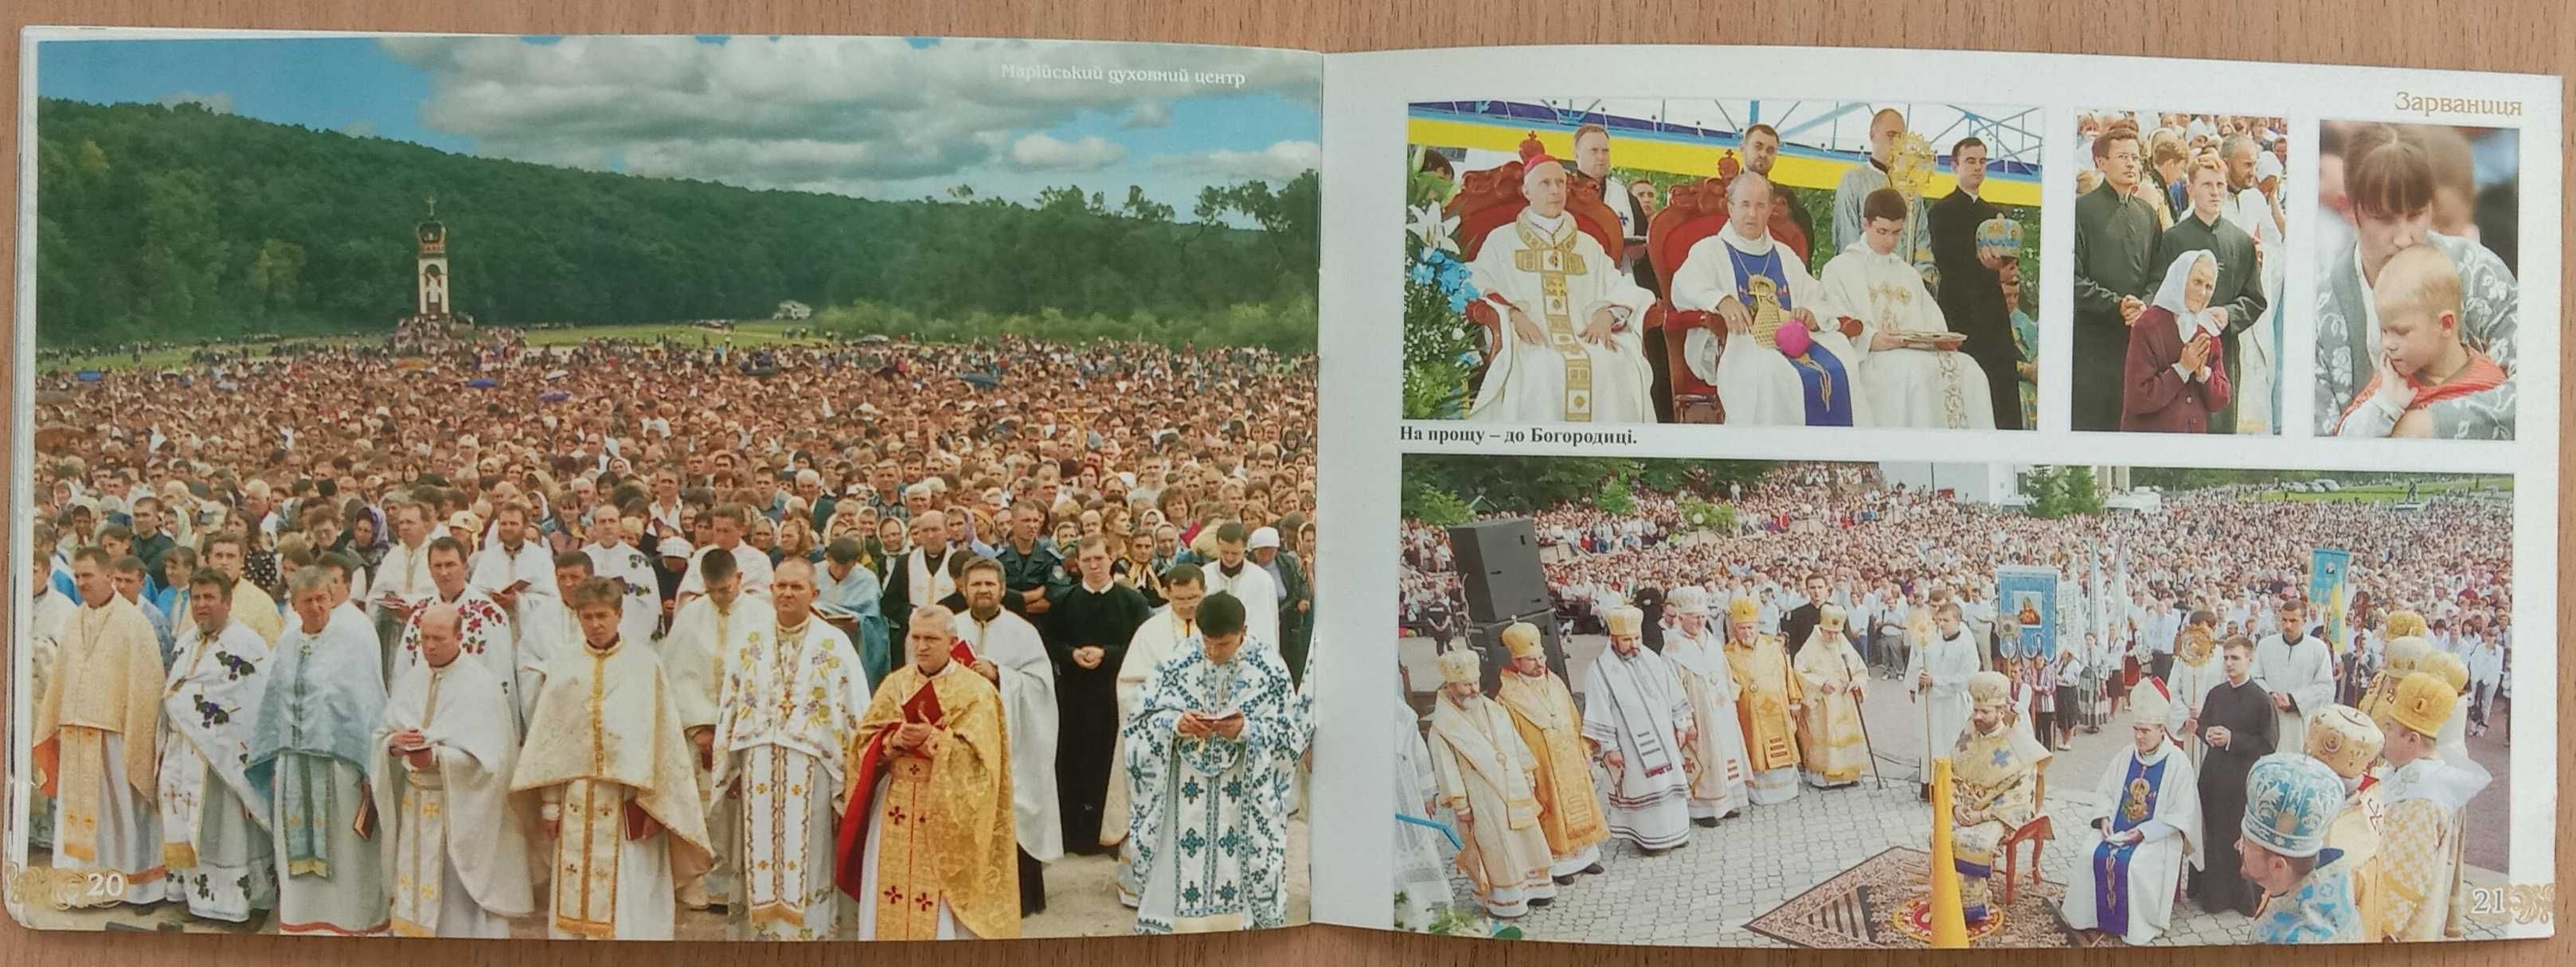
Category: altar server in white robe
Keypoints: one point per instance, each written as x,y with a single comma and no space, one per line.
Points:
1484,776
788,762
618,780
455,839
1155,640
1570,344
615,557
1638,716
1233,573
2146,829
1908,384
1698,653
705,633
1939,679
97,736
2297,670
1011,656
1784,360
214,843
311,755
1221,716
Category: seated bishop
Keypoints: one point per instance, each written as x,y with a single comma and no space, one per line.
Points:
2145,830
1569,346
1779,363
1910,366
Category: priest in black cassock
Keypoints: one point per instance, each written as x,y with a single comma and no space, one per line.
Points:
1970,295
1089,624
2237,721
1650,599
1801,620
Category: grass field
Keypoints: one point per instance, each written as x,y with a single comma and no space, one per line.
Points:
745,335
2397,492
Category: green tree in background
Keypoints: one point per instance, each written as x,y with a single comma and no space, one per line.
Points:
177,224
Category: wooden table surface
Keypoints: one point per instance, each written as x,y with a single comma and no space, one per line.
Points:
2489,35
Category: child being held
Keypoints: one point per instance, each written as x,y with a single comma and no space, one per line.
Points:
2422,359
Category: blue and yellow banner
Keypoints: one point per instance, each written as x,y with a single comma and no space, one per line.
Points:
2329,591
2027,597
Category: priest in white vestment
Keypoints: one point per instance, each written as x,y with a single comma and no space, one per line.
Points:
787,761
401,578
515,562
1697,652
618,779
97,735
49,616
1213,752
455,840
1939,679
489,636
1639,718
1232,573
214,841
1484,776
1421,871
311,753
616,558
1154,641
1013,658
705,632
2297,670
1910,380
1760,291
2145,827
1570,344
729,522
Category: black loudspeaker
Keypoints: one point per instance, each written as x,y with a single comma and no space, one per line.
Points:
1487,638
1498,566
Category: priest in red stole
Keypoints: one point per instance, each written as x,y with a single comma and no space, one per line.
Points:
928,849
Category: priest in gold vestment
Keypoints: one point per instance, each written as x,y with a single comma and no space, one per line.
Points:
1772,699
1831,744
2418,876
608,757
1543,712
1992,785
97,737
937,852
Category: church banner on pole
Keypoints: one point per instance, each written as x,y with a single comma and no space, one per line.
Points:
2030,600
2328,579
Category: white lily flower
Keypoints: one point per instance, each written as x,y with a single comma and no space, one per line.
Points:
1433,228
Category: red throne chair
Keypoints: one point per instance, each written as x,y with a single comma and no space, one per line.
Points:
1491,199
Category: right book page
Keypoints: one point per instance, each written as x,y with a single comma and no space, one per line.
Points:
1877,498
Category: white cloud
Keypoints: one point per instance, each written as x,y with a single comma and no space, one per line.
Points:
781,112
218,102
1149,114
1040,152
1282,161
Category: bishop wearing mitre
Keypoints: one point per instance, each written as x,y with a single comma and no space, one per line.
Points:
1773,698
929,849
1484,775
1569,346
618,778
1543,712
2146,829
1781,361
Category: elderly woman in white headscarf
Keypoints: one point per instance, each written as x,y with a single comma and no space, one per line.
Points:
2176,375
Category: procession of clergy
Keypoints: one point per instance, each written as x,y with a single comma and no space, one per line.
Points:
1869,342
516,747
2326,823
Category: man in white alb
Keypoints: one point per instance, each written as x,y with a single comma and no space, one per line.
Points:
1570,344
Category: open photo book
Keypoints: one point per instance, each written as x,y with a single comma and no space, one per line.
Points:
874,488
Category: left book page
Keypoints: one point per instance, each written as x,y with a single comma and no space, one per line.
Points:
749,488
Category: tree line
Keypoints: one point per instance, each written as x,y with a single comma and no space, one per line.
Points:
176,224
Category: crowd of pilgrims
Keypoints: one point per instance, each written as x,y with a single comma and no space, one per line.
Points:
1737,664
842,646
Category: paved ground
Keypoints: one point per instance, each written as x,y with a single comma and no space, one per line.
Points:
1705,893
1082,901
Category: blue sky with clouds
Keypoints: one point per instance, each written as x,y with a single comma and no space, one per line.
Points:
871,117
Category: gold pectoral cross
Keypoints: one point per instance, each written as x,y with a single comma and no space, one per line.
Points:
1554,261
1764,295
